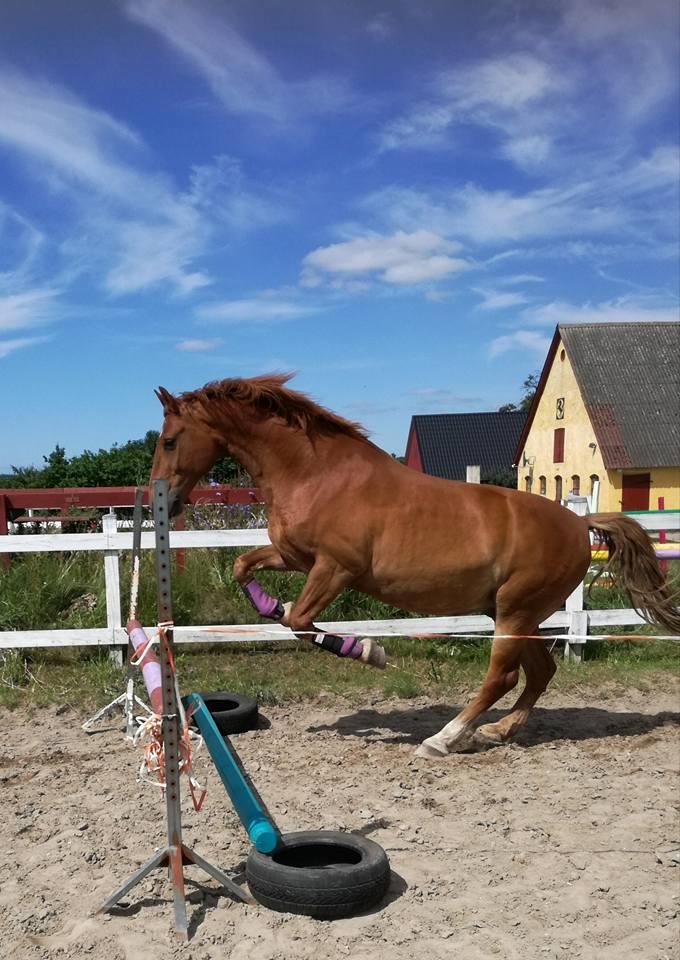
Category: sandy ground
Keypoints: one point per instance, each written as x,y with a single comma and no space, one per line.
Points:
565,844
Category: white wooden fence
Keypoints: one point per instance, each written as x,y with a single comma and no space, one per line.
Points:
573,621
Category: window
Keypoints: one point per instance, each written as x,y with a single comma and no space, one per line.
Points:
576,485
558,445
527,484
541,486
558,488
593,480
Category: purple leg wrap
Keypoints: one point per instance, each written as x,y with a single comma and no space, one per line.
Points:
266,606
340,646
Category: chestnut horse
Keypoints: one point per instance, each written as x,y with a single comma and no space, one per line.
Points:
347,514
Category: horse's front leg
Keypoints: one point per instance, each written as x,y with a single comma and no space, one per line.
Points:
325,581
263,558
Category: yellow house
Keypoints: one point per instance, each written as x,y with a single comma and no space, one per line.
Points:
605,420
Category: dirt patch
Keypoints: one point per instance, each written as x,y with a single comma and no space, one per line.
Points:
564,844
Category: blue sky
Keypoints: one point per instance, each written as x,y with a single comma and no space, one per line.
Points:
398,200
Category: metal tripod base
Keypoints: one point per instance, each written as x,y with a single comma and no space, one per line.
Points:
170,857
127,701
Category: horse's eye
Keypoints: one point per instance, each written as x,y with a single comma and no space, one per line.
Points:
170,443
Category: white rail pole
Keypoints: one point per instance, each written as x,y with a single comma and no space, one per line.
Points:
578,617
112,586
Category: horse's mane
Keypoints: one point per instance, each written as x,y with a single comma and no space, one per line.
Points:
268,396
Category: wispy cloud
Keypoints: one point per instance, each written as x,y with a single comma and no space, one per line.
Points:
622,310
531,338
263,309
240,76
499,299
9,346
441,398
30,308
137,229
402,258
199,346
495,93
221,191
527,341
559,94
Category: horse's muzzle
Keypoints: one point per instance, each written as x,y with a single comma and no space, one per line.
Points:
175,503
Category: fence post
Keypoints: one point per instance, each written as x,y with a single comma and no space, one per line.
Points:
578,617
4,530
112,584
473,473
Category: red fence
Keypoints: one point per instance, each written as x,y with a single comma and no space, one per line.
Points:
15,503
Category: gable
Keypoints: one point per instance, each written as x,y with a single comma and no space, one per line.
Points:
628,380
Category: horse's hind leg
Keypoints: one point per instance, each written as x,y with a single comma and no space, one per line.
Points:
501,677
539,668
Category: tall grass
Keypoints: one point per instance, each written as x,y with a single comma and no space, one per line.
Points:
53,591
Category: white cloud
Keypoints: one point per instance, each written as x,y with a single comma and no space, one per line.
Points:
500,93
50,124
510,82
9,346
257,310
240,77
629,199
381,26
623,310
440,397
571,87
497,216
630,50
221,190
198,346
528,341
128,224
528,151
499,300
517,278
31,308
402,258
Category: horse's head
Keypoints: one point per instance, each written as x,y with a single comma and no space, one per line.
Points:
186,450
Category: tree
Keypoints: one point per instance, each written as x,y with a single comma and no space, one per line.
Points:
127,465
529,387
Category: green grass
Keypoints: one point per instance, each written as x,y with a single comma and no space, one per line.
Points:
274,674
52,591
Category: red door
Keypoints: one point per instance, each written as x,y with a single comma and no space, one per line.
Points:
635,491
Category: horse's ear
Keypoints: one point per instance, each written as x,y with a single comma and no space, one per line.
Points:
169,403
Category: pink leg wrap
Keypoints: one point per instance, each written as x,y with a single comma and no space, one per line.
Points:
340,646
266,606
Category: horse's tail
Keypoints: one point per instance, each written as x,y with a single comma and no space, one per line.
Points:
634,563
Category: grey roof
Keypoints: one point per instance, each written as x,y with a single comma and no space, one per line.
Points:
629,377
449,442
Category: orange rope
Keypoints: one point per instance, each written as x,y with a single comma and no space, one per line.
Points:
154,753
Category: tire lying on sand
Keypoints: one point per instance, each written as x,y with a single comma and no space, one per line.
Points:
320,873
232,712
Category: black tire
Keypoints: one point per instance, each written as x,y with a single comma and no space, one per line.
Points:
232,712
320,873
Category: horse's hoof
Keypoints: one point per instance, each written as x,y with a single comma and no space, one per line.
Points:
373,654
431,751
490,731
285,619
484,738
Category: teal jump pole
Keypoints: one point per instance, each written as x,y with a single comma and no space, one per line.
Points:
262,831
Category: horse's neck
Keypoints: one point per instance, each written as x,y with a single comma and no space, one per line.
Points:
275,456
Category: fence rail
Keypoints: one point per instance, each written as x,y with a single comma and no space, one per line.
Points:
574,620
